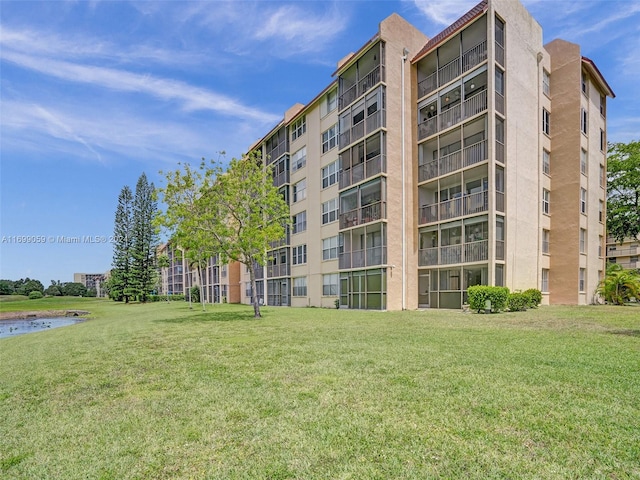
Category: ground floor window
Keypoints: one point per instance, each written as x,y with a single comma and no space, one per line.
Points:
278,292
364,289
447,287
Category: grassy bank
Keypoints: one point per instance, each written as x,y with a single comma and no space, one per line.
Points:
161,391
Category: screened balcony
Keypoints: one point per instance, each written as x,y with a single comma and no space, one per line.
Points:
460,148
457,103
363,247
363,204
457,56
364,74
455,242
277,145
363,160
280,171
362,118
459,195
278,264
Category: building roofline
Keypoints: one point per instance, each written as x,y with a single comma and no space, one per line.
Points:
595,73
356,55
313,101
452,29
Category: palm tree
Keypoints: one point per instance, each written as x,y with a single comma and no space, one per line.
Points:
619,285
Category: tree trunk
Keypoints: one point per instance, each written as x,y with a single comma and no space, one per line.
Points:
204,309
254,290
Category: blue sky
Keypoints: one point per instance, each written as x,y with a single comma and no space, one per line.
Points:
93,93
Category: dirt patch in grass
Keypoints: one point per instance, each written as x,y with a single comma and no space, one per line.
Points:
42,314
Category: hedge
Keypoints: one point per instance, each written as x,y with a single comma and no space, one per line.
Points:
479,294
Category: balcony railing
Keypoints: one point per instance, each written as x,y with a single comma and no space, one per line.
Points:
277,151
461,253
359,216
365,127
375,76
281,178
470,204
281,243
364,170
363,258
448,118
469,59
282,270
500,54
470,155
499,103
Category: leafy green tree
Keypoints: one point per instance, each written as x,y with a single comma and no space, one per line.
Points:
74,289
619,285
55,289
7,287
623,190
184,215
119,283
245,214
234,212
26,286
144,240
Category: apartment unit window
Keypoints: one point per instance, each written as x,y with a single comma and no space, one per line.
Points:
330,248
581,279
546,83
603,176
602,140
330,211
583,161
583,83
544,284
299,127
583,201
330,174
601,211
546,163
300,190
329,138
299,254
299,159
332,100
546,121
583,121
330,284
583,240
603,103
300,222
600,242
546,197
300,287
545,240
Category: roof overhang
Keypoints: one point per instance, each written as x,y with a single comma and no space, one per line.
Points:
595,74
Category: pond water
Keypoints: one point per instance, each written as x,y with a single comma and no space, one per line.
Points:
10,328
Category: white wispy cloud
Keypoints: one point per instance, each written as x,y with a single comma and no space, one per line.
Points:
191,97
444,12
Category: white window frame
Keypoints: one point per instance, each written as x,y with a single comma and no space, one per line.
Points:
583,240
546,236
299,287
330,284
329,138
546,161
330,174
584,160
299,222
546,83
299,254
299,128
544,281
299,159
546,201
330,248
546,121
582,277
584,121
330,211
300,190
583,201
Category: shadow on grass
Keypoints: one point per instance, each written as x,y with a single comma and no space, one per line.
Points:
627,332
213,316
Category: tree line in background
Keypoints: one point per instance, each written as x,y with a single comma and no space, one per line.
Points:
26,286
134,269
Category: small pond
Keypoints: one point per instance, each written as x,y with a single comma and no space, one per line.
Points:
10,328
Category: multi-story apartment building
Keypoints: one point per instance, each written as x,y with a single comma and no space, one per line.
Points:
93,281
624,253
431,165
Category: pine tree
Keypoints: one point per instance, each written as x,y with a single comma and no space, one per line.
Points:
144,240
119,283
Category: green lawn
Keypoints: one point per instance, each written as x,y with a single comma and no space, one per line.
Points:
161,391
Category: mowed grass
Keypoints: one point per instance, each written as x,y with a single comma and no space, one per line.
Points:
162,391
